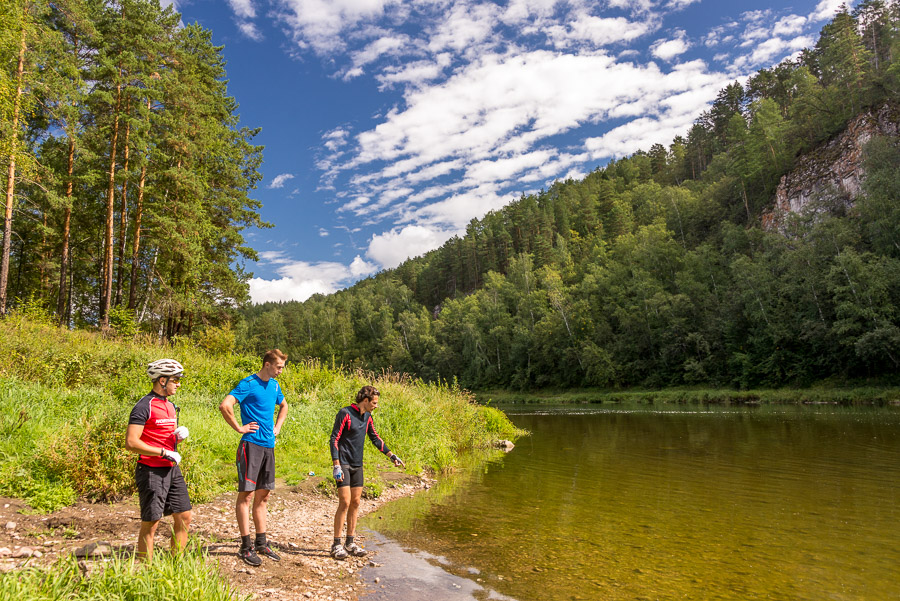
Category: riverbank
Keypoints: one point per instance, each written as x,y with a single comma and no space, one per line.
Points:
65,398
852,395
300,526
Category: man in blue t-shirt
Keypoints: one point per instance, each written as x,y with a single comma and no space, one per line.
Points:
258,395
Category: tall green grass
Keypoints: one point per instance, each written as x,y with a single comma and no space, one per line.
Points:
65,397
186,576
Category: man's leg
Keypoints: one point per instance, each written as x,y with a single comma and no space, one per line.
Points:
260,498
353,509
242,512
145,540
340,515
180,531
352,514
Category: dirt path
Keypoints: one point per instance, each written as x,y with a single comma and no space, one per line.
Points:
300,524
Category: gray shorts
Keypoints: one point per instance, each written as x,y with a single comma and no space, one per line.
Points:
255,467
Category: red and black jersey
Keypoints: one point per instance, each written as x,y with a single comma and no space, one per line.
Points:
157,415
349,435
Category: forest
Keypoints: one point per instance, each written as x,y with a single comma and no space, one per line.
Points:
656,270
125,170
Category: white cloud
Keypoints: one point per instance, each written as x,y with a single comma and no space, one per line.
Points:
492,97
826,9
392,248
789,25
319,23
300,280
243,8
599,31
280,180
669,49
250,30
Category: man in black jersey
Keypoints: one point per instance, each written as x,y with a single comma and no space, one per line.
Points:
351,425
153,433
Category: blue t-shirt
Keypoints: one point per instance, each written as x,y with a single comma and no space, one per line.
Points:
258,400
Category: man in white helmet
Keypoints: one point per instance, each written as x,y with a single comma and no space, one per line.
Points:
153,433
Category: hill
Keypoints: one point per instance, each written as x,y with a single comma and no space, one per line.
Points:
663,268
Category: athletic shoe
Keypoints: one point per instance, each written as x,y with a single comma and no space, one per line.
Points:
249,556
339,552
268,552
355,550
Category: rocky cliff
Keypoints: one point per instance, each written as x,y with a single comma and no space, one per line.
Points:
830,177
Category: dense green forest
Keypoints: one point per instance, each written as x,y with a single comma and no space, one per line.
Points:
125,171
655,270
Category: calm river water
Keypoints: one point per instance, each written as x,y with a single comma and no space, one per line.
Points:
670,502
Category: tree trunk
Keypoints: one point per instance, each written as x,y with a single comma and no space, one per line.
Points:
106,290
67,221
11,178
136,245
138,214
123,220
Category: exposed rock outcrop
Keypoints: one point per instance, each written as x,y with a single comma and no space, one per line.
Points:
831,176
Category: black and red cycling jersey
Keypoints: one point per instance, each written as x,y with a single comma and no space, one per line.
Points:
348,436
158,416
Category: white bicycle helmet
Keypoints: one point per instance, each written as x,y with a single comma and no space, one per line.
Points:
164,367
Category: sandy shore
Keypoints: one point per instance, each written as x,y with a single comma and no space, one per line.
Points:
300,525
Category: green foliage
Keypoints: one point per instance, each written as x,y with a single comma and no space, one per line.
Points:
125,115
122,321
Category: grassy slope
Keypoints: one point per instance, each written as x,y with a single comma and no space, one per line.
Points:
65,399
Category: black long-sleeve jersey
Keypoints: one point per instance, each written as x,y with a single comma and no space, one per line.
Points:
348,436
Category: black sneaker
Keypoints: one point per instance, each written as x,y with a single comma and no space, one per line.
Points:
249,556
268,552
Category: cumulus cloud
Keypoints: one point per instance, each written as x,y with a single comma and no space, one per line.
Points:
826,9
250,30
300,279
242,8
392,248
280,180
490,100
669,49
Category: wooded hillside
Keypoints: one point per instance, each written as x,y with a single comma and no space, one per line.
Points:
654,270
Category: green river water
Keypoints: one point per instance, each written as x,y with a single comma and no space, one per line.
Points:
672,502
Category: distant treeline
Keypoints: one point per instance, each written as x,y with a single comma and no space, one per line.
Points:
654,269
126,174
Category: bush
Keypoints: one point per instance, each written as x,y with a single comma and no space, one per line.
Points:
93,458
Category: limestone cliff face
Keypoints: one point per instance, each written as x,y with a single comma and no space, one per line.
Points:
832,175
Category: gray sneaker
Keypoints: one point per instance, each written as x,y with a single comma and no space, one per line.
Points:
355,550
339,552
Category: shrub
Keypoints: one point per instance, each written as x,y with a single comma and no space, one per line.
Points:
93,458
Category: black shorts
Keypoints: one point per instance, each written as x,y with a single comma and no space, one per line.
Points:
353,477
255,467
161,491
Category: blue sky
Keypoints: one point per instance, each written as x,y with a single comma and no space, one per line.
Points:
389,125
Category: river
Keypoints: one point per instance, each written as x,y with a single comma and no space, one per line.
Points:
659,502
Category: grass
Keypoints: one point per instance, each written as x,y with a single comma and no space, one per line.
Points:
188,575
849,395
65,397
